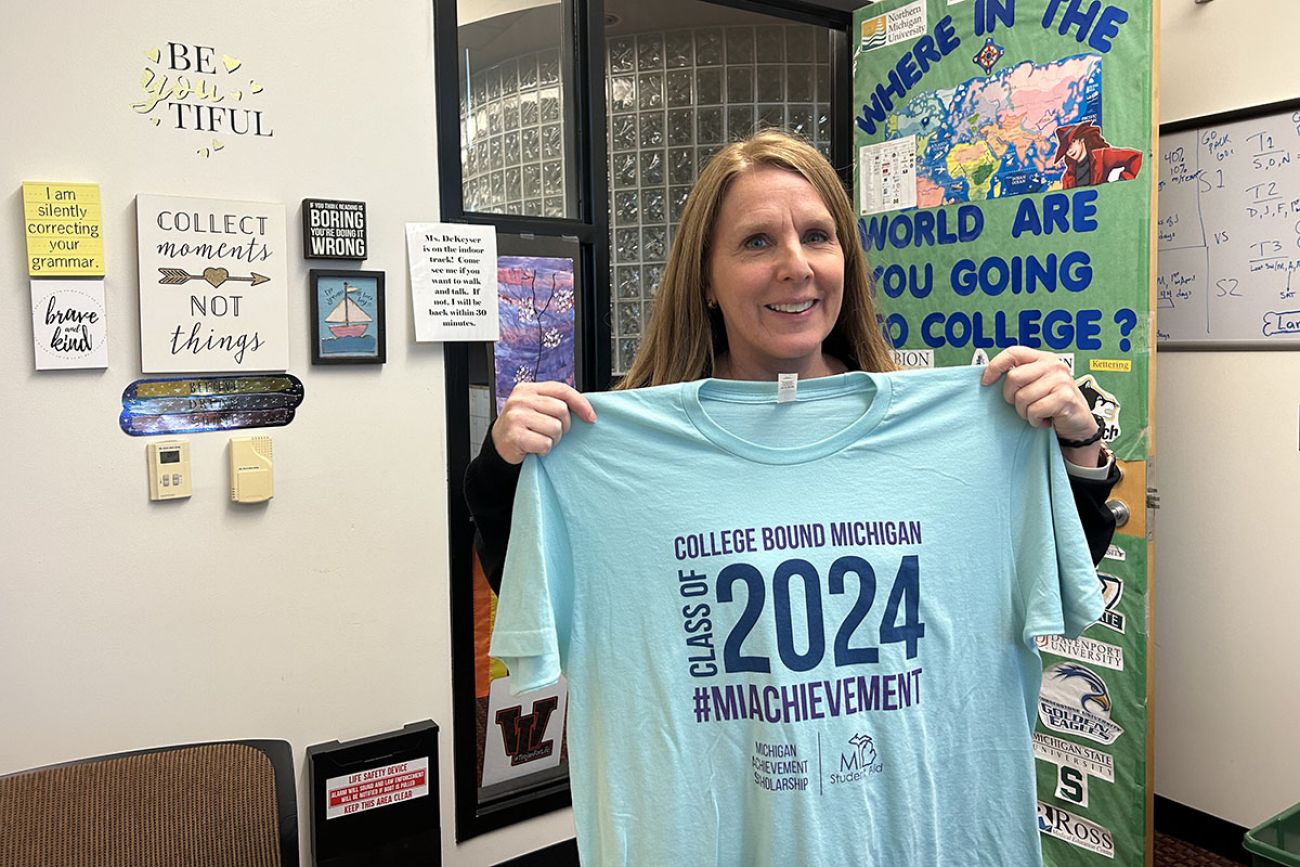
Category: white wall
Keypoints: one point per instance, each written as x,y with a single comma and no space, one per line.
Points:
126,624
1228,469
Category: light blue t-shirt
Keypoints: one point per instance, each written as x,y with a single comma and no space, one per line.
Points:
798,633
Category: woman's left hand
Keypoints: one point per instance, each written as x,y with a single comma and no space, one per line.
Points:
1041,388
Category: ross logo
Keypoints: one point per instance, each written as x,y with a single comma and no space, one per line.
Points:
523,733
1074,699
1112,589
1055,822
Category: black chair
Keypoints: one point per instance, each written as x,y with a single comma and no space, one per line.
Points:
222,804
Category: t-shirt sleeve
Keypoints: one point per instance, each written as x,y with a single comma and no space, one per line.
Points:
533,615
1058,583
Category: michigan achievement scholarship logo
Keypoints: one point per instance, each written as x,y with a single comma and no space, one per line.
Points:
858,761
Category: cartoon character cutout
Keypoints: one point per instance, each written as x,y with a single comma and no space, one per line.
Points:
1090,159
1103,405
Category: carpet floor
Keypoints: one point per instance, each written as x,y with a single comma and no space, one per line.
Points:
1173,852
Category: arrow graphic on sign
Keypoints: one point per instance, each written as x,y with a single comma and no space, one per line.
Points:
214,276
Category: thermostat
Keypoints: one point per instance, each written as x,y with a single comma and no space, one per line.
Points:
169,469
250,470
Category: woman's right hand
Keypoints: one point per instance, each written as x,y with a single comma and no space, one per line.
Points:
534,418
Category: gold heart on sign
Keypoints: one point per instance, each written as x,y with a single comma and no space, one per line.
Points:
215,276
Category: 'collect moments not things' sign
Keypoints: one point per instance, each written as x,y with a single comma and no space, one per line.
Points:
453,281
213,285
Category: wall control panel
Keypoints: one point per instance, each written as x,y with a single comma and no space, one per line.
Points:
250,470
169,469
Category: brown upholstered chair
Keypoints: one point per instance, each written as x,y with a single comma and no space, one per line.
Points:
226,804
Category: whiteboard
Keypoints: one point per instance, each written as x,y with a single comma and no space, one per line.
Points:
1228,235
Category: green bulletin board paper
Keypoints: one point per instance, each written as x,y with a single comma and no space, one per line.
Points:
1002,176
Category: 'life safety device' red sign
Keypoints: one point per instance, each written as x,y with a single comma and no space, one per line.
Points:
376,787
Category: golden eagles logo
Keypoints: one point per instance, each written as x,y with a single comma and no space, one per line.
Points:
1074,700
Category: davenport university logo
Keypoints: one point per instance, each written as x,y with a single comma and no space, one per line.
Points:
523,733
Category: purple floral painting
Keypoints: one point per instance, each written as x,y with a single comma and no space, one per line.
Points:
537,319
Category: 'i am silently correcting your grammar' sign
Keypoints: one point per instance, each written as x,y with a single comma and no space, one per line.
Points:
453,281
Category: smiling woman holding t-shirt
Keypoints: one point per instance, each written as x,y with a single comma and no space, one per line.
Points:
766,277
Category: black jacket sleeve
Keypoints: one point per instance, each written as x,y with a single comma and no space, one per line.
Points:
1090,499
490,485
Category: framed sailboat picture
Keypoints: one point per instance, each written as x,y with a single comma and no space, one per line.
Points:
347,317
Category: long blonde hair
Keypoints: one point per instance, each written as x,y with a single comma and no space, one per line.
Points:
685,337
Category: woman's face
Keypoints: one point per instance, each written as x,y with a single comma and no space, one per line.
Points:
776,270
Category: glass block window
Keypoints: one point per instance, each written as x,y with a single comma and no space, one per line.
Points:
512,139
675,99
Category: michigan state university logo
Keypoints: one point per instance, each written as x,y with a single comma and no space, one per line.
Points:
523,733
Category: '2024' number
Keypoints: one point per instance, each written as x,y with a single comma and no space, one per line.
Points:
904,595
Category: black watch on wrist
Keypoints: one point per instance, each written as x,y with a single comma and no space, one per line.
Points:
1078,444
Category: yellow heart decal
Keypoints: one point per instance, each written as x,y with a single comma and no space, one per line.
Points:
231,63
254,87
216,145
154,56
215,276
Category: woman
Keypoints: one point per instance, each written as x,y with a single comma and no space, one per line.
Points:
766,277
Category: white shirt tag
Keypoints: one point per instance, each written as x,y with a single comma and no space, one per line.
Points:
787,384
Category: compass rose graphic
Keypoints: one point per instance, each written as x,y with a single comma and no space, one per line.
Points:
989,55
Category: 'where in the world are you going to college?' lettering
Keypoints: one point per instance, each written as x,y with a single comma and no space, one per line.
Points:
1091,23
725,597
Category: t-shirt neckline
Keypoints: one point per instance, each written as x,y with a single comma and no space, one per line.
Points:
820,388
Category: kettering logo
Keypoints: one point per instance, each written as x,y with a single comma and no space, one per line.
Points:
1055,822
1074,700
523,733
857,763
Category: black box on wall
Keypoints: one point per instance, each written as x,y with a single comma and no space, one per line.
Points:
374,801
